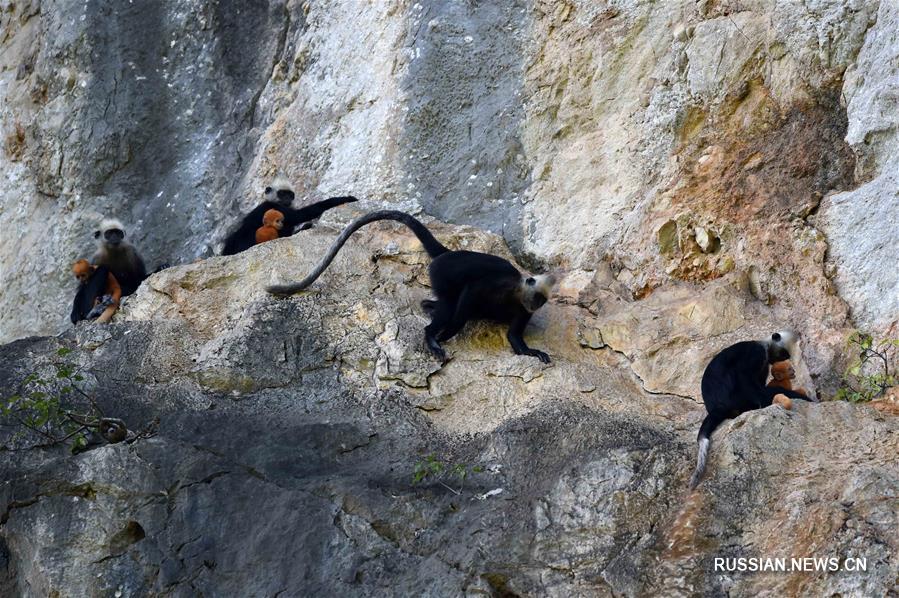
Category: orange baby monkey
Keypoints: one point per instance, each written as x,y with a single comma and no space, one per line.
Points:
782,375
272,223
98,289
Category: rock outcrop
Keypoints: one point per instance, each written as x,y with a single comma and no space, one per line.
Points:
579,131
290,431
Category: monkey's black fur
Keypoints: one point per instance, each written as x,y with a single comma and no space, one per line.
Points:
244,236
468,285
87,293
129,280
734,383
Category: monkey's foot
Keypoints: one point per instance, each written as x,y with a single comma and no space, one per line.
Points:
538,354
435,348
428,306
782,400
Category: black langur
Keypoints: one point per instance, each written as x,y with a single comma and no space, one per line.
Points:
468,285
120,256
734,383
279,196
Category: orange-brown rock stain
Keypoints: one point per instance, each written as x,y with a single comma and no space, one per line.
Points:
683,539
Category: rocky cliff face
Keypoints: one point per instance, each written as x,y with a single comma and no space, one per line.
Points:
290,431
699,173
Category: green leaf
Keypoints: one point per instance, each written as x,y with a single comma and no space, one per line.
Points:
63,351
78,442
420,472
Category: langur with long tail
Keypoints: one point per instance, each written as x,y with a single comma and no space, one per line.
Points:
278,196
734,383
469,286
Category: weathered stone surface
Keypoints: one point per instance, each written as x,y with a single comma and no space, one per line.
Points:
862,225
290,429
696,173
863,228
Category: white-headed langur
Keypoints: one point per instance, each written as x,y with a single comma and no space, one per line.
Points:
469,286
734,383
120,256
278,196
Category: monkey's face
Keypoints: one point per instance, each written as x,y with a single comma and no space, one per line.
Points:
280,194
782,370
82,271
781,345
111,237
274,219
536,291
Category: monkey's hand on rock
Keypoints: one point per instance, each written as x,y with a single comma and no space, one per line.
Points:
782,400
100,307
435,348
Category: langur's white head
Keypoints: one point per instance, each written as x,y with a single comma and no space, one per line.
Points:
280,191
536,290
781,345
110,234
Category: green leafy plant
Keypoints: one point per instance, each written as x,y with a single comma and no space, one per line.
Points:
435,470
53,409
869,375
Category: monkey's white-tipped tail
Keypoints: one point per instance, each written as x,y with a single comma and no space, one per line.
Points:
701,457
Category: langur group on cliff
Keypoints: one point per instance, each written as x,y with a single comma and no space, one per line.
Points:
467,285
117,268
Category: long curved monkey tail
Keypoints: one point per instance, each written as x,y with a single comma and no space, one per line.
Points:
704,439
431,245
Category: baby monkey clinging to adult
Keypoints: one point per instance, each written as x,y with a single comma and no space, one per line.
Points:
272,224
98,293
469,286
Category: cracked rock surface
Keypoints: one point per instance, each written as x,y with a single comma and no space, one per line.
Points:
696,173
676,141
290,430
